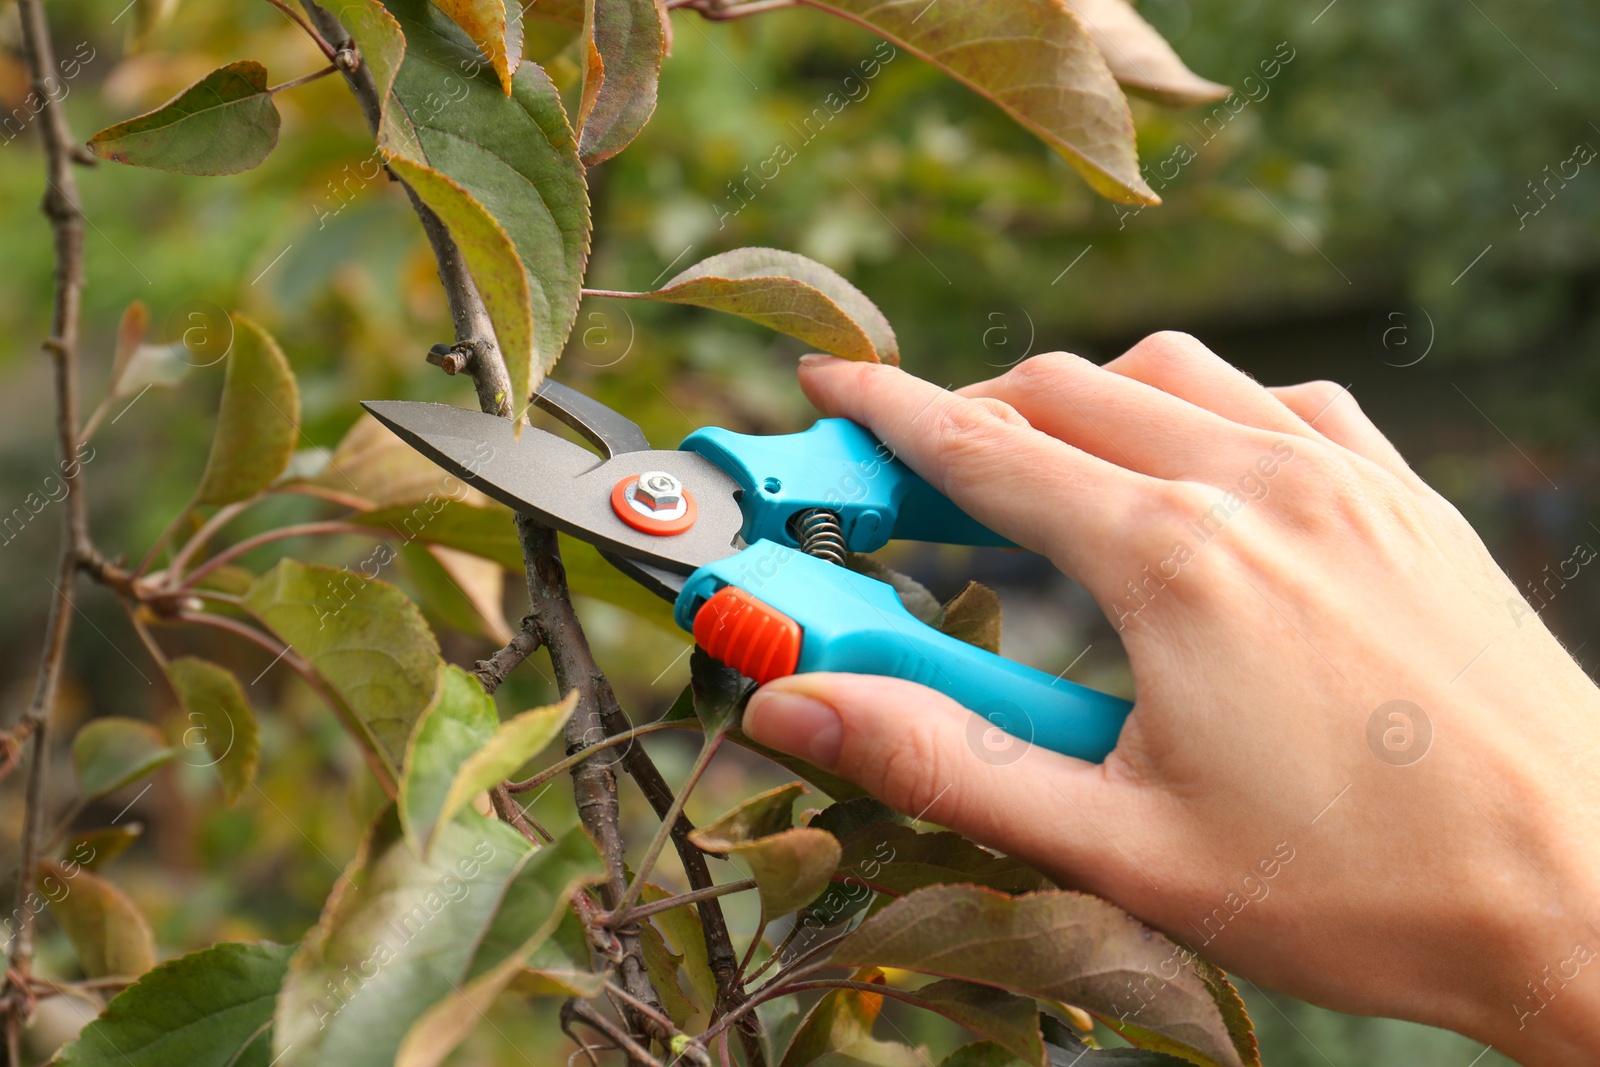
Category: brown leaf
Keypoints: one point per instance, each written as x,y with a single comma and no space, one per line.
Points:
1009,1020
791,867
495,26
1057,945
624,62
107,930
973,615
1036,60
787,292
1140,58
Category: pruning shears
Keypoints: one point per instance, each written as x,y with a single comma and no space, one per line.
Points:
747,536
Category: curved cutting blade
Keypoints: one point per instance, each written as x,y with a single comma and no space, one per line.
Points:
566,486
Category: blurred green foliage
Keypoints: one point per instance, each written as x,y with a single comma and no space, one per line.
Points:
1381,178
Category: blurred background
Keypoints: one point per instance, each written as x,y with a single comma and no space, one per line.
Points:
1394,209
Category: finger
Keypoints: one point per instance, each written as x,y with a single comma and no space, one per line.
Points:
1331,410
927,756
1087,515
1124,421
1181,366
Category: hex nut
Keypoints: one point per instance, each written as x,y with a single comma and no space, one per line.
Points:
658,491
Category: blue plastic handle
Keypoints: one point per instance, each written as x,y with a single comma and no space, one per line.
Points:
840,466
850,622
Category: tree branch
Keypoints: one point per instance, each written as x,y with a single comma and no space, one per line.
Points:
551,616
491,672
61,206
594,781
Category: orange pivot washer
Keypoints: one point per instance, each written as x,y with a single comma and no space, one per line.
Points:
654,503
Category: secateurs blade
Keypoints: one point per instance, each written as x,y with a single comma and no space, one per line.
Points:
746,536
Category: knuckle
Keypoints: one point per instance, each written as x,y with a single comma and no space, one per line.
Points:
1046,370
1320,396
972,440
1171,347
913,775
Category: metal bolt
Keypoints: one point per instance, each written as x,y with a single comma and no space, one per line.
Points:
658,490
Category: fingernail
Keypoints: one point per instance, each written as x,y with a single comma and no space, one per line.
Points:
796,724
817,359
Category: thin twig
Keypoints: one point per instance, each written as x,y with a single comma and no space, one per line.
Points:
303,79
311,31
281,533
587,1015
750,950
777,954
491,673
207,531
529,784
61,207
509,811
659,841
656,907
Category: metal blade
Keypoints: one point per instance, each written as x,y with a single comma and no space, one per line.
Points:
563,485
609,431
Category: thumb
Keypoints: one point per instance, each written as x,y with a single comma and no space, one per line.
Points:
927,756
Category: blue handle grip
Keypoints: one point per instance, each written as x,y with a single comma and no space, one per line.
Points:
840,466
854,623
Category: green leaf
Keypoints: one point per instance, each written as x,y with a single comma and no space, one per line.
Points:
258,422
381,41
981,1054
973,614
535,906
790,866
93,849
460,721
107,930
895,859
720,692
516,159
222,124
627,40
559,967
686,938
837,1031
211,1008
1082,951
661,963
913,594
517,741
1037,61
787,292
497,270
1009,1020
495,27
408,950
1065,1047
438,520
1140,58
366,639
218,722
765,813
109,753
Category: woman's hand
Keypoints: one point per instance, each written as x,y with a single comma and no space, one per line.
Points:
1359,770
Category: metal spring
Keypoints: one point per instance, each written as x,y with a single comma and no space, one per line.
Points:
819,534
